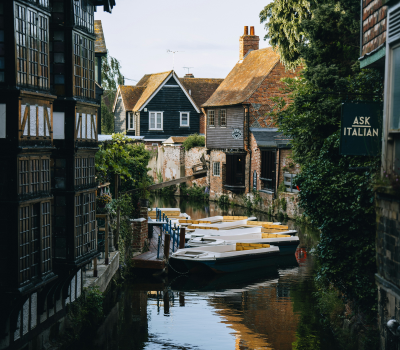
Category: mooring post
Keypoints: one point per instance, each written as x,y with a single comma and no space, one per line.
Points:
166,302
167,240
95,267
156,214
158,246
106,245
181,299
182,238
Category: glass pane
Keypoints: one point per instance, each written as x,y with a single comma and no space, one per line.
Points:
184,119
158,120
395,98
152,120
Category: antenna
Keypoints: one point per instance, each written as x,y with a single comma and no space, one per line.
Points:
188,69
173,57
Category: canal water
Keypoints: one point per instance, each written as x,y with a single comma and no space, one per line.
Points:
268,309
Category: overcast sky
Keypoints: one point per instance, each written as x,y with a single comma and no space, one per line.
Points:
139,33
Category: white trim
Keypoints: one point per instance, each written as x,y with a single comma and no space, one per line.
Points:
171,85
163,84
131,114
219,168
155,121
180,119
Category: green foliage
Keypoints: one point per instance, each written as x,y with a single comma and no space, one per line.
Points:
124,157
85,315
194,140
111,77
337,201
283,21
194,192
283,204
223,201
341,204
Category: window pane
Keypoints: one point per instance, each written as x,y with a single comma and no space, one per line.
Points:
395,98
185,119
152,120
158,120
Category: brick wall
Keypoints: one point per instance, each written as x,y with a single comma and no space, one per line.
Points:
140,230
246,43
260,101
216,182
374,25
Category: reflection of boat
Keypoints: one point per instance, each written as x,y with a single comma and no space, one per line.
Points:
227,258
287,244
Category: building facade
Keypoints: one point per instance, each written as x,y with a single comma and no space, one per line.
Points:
245,149
162,105
380,49
48,134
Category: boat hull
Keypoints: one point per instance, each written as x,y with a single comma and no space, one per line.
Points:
228,264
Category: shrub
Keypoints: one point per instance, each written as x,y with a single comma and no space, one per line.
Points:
194,140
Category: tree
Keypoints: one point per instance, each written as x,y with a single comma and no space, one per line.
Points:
338,201
111,77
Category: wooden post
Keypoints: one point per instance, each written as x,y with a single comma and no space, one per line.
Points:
167,239
182,238
106,244
166,302
181,299
95,267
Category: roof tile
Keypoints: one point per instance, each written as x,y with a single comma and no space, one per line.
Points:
100,43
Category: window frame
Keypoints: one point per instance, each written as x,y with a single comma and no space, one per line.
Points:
223,125
188,119
209,118
218,167
155,121
392,47
133,128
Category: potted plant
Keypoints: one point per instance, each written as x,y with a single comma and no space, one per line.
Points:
103,200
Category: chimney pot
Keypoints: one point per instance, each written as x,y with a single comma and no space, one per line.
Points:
251,30
246,30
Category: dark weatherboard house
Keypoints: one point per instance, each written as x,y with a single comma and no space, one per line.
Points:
162,105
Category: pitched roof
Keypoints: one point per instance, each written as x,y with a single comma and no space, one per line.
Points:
150,83
200,89
130,95
100,43
265,137
244,78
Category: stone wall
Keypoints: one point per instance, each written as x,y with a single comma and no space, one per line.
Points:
388,263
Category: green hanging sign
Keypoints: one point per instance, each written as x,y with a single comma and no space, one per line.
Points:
361,128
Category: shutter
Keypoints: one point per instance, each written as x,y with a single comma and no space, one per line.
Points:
394,24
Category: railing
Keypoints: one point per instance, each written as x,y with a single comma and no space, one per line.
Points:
288,181
167,228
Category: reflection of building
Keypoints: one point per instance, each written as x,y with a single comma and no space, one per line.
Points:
48,131
380,49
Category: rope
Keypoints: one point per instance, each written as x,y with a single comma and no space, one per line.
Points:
181,273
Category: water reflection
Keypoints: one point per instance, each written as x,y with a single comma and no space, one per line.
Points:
269,308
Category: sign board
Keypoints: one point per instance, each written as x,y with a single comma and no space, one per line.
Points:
255,180
361,128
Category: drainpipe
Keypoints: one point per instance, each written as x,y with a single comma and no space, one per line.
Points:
247,116
279,170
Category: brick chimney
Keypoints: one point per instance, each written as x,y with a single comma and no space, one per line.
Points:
189,75
248,42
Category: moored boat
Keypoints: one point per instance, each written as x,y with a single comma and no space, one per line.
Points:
287,244
226,258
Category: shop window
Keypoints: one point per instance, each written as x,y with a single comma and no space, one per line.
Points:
235,170
268,169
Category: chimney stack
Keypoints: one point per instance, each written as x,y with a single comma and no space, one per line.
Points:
248,42
189,75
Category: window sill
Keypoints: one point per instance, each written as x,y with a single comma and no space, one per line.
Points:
266,191
184,126
161,130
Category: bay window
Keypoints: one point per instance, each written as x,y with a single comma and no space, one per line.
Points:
155,120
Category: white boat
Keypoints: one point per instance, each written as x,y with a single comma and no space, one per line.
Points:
226,258
287,245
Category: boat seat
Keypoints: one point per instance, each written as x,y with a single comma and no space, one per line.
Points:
250,246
